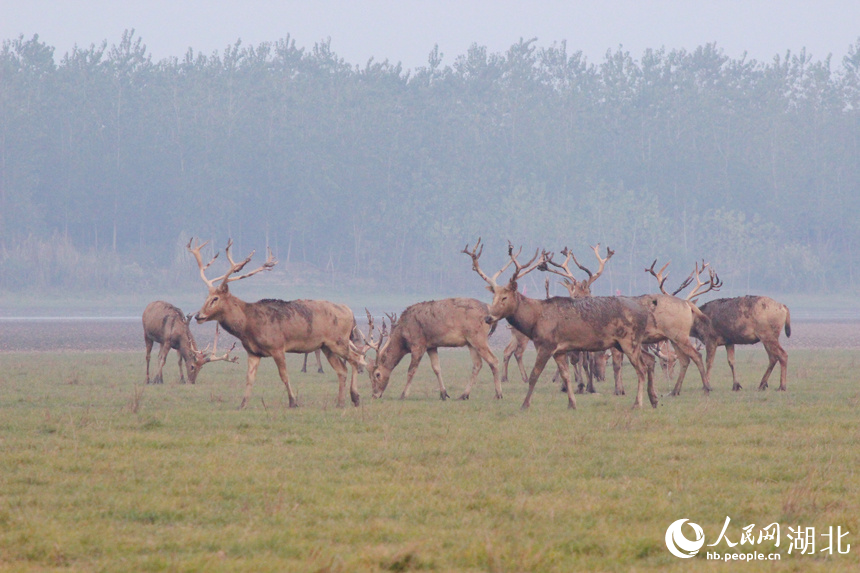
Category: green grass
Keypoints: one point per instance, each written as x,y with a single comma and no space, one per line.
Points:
101,473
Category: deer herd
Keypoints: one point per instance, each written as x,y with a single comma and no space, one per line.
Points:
575,330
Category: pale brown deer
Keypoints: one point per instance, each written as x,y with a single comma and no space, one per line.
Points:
745,320
559,325
675,317
424,328
168,326
272,327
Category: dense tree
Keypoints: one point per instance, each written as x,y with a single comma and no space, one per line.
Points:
374,175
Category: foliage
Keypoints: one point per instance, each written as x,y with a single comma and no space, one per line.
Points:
376,173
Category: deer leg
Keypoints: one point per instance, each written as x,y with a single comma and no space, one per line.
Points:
417,354
685,351
775,353
587,362
281,362
433,354
710,355
477,363
319,362
576,359
181,372
253,362
519,356
148,342
163,351
634,354
730,356
305,363
339,366
542,358
562,360
510,349
617,363
484,352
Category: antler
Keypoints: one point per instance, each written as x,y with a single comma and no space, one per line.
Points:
661,279
594,277
714,283
235,268
213,356
523,270
368,340
196,252
475,253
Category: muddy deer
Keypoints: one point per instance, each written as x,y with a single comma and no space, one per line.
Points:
593,363
517,348
559,325
169,327
271,327
424,328
745,320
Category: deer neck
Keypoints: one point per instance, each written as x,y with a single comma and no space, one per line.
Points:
234,317
393,352
526,314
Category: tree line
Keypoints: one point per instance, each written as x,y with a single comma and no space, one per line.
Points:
374,175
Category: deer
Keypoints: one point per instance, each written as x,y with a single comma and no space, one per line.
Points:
273,327
745,320
593,363
425,327
169,327
559,325
517,348
675,317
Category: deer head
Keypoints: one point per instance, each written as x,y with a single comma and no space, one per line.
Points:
505,298
576,288
378,378
219,296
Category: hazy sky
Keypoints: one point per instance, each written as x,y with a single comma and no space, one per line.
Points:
406,30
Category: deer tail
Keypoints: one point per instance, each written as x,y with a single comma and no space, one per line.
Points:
787,322
698,313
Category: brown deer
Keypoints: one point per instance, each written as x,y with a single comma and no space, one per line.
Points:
745,320
168,326
517,348
271,327
426,327
559,325
593,363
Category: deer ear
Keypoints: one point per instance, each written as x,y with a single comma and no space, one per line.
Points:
223,288
513,286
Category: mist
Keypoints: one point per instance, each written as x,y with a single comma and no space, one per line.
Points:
372,177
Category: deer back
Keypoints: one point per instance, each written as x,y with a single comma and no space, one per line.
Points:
744,319
272,325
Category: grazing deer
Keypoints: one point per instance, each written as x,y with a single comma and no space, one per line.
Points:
745,320
271,327
319,362
559,325
168,326
426,327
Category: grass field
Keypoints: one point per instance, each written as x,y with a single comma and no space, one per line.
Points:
101,473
